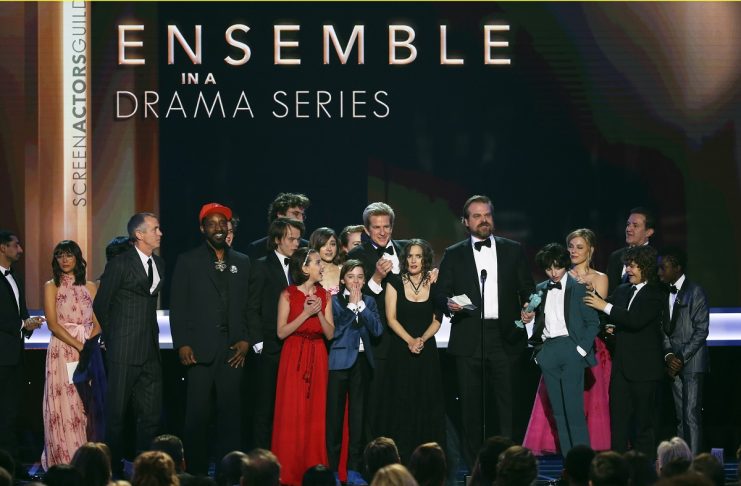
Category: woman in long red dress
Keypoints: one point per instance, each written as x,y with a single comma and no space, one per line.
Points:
304,322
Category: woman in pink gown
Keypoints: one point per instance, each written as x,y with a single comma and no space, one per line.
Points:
68,305
305,321
541,436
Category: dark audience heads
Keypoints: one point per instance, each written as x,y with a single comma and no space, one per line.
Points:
427,465
68,247
93,460
645,258
609,469
229,470
5,478
675,467
154,468
670,450
685,479
278,229
7,462
379,452
576,465
173,446
62,475
393,475
260,468
288,205
136,223
116,246
298,261
707,465
378,209
642,469
553,255
517,466
485,469
319,475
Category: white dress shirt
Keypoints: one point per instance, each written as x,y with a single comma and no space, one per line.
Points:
486,259
555,321
673,297
608,307
395,269
155,274
282,259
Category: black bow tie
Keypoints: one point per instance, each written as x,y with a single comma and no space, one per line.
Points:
388,249
633,289
479,244
286,260
7,272
673,289
554,285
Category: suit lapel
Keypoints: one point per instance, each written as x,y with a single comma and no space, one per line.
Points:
276,267
6,285
675,308
469,263
567,301
205,258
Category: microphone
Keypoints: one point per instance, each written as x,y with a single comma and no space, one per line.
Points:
483,275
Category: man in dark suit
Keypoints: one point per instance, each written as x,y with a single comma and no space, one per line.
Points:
685,344
268,278
126,307
208,318
638,229
563,338
285,205
379,255
14,325
636,308
508,285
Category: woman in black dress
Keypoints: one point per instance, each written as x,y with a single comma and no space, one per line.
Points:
414,409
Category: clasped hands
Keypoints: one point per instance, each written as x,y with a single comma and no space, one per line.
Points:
416,345
673,364
33,323
312,305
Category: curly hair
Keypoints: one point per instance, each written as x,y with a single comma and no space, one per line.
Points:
428,255
283,202
645,257
71,248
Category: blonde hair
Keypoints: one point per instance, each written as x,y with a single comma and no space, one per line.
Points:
589,237
393,475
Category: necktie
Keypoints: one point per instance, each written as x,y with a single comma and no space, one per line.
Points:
150,274
388,249
479,244
673,289
286,261
554,285
7,272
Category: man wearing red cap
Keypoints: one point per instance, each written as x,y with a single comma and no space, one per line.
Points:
208,318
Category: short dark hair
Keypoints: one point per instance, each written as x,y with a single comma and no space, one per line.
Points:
675,255
62,475
296,264
118,245
229,469
517,467
427,464
647,214
576,464
136,222
645,257
707,465
6,237
378,453
485,469
173,446
94,464
320,237
278,229
553,255
609,469
286,200
675,467
260,468
348,266
642,469
319,475
689,478
476,199
71,247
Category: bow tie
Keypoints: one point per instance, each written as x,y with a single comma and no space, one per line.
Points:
7,272
633,289
388,249
479,244
673,289
554,285
286,261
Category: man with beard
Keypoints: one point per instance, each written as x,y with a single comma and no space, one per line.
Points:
499,266
208,316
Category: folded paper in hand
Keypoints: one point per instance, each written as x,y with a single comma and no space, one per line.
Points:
463,301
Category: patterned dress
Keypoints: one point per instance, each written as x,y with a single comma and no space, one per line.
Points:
65,422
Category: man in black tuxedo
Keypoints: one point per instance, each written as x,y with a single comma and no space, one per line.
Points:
685,344
14,325
268,278
638,229
507,286
379,255
285,205
208,318
126,307
636,308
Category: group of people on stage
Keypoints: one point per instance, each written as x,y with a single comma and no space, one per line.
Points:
342,335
